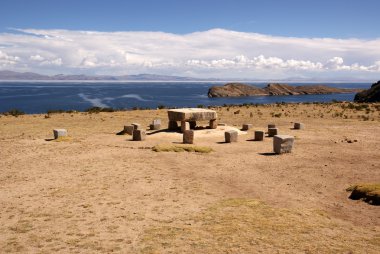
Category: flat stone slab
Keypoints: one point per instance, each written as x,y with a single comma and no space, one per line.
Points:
283,144
59,133
191,114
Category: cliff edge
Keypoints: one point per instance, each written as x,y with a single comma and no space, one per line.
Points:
370,95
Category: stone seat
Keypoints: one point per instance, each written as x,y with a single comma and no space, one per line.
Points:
299,126
231,136
59,133
283,144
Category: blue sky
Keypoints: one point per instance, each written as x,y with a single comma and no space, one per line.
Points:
336,39
299,18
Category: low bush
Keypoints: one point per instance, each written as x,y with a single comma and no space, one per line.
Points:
99,109
368,192
14,112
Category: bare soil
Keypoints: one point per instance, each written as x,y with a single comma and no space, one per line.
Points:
100,192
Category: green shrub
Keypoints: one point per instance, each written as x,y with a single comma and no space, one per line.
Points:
99,109
14,112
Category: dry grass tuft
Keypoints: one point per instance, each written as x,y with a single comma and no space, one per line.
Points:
22,226
250,226
181,148
368,192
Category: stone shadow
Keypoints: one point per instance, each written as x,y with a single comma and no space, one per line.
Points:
268,154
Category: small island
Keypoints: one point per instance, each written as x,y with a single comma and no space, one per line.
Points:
239,89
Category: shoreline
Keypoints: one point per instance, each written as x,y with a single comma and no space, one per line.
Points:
17,112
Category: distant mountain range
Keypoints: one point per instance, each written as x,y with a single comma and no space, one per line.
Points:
7,75
12,75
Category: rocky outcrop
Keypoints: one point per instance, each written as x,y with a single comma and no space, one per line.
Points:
235,90
283,89
370,95
238,89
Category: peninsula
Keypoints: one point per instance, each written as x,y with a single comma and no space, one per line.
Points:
239,89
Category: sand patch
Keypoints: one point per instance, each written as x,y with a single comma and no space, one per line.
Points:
247,226
198,133
102,192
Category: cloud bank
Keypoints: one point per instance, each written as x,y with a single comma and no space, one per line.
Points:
215,53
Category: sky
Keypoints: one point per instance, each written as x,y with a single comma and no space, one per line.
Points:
307,39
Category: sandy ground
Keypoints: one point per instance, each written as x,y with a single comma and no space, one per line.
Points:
101,192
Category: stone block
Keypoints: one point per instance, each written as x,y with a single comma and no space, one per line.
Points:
157,121
155,126
59,133
136,126
247,126
231,136
259,135
213,124
139,135
299,126
272,132
283,144
193,125
129,129
271,125
188,137
185,126
173,125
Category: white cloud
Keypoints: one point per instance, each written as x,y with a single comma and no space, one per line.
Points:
36,58
8,60
275,63
53,62
45,62
213,53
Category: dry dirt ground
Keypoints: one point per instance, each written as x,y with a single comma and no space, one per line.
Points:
98,192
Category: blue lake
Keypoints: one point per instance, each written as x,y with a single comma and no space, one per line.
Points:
39,97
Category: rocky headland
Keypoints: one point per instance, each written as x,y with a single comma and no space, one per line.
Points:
239,89
370,95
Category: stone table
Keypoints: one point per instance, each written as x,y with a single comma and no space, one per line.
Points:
191,116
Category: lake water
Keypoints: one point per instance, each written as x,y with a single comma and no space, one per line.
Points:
39,97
